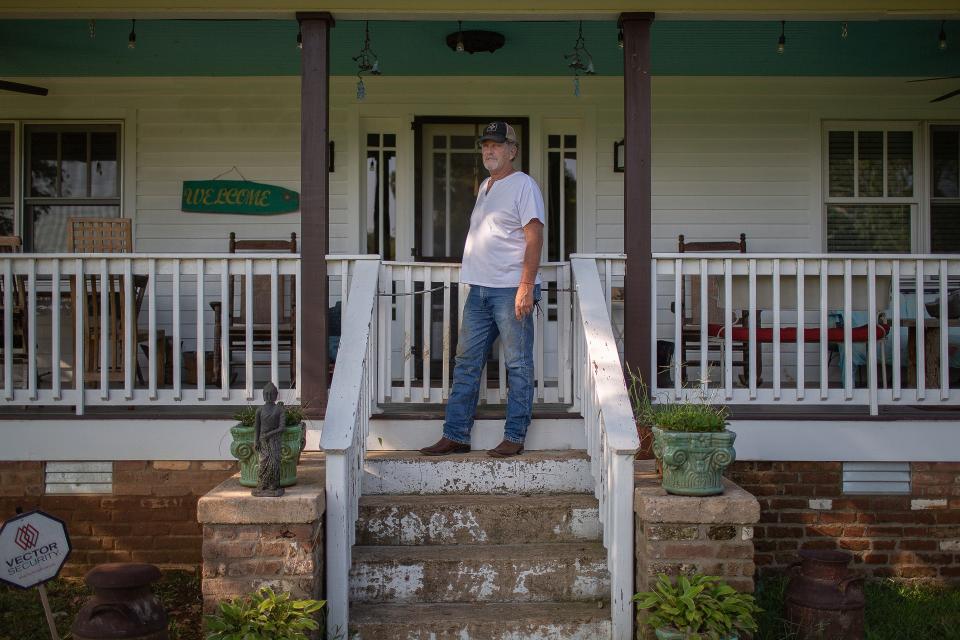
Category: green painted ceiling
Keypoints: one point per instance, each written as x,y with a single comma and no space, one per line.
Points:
267,47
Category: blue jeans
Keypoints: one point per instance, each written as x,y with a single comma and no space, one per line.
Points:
490,312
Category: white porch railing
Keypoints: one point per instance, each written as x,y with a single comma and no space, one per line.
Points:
611,433
344,436
806,308
420,308
176,293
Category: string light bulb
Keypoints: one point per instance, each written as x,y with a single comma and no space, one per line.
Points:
132,38
943,36
459,47
620,37
299,36
844,32
782,42
92,27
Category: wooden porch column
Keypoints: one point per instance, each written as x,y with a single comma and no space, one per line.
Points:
637,228
314,208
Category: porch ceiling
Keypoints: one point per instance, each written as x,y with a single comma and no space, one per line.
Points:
503,9
32,48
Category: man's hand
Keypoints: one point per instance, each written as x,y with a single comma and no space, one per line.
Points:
524,301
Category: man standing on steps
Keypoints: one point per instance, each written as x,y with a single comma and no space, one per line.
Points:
500,263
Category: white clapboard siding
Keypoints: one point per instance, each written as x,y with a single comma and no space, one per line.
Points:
78,477
876,477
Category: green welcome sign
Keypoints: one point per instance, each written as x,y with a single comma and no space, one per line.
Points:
237,196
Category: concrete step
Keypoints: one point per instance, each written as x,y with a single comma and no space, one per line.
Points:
474,621
412,426
409,472
480,573
477,519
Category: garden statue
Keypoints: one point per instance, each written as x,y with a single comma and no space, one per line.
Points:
268,435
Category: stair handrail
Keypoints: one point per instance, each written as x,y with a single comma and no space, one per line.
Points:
344,436
611,433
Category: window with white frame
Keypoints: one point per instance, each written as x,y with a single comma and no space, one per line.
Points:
945,188
870,190
70,170
6,180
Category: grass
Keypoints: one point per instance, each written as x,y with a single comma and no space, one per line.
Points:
895,611
22,618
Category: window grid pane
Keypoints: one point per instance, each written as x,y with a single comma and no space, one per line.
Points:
870,164
868,228
6,164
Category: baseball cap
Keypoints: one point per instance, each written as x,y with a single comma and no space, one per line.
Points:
499,132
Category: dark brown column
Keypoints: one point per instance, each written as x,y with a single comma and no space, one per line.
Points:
314,208
637,226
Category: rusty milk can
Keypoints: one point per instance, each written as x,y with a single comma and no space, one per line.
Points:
122,606
825,598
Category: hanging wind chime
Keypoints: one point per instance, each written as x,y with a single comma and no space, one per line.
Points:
580,60
367,62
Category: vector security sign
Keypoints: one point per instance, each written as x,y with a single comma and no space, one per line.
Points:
33,548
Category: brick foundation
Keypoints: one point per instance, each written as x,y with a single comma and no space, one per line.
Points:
251,542
803,506
677,534
151,516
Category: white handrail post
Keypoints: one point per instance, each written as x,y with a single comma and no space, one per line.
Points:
611,436
344,436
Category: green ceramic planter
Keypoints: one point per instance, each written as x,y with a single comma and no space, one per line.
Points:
693,463
243,450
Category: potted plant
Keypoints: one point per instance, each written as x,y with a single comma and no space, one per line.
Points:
697,608
690,441
693,446
242,448
264,616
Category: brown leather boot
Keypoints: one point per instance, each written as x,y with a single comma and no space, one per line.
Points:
444,447
506,449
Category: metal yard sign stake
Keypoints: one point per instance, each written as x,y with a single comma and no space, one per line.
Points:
33,548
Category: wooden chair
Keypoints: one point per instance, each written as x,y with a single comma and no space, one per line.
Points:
13,244
690,330
237,313
106,235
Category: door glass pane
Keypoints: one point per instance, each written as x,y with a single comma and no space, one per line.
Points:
841,164
6,164
870,164
43,164
945,155
73,164
103,165
465,178
945,228
390,203
570,205
463,142
868,228
553,206
6,221
373,201
900,164
47,224
436,240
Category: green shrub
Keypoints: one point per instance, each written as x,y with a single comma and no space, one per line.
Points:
264,616
698,416
702,607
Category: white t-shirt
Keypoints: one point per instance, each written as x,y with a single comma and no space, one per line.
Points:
493,254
